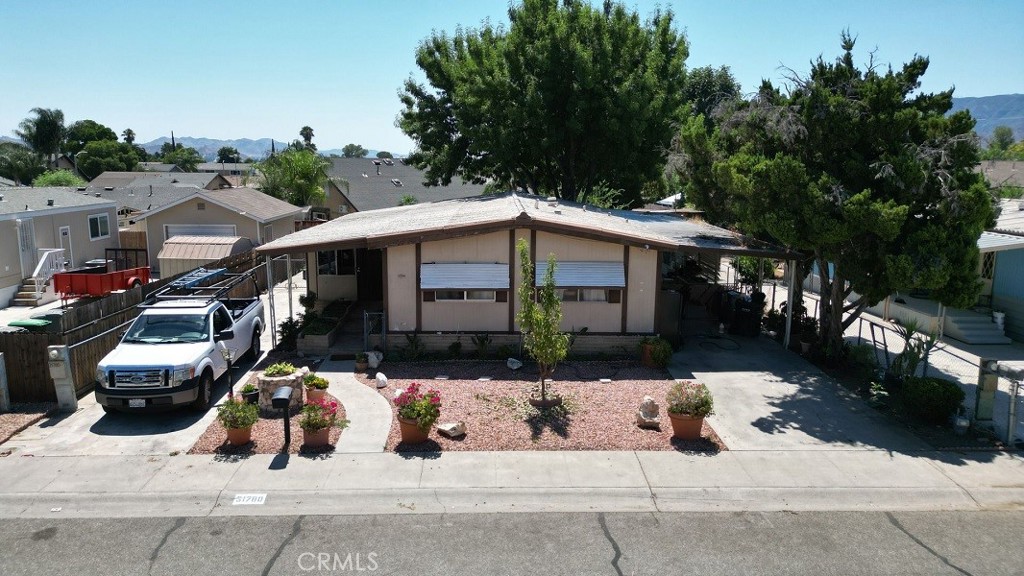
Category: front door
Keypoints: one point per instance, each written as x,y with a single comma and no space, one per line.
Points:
370,275
27,246
65,243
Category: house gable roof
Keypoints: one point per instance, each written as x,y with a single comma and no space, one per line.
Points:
250,203
369,190
206,180
18,201
159,167
482,214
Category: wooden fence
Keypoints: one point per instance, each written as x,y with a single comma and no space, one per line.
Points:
90,330
133,239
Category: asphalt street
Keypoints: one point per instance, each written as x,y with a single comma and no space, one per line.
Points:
815,543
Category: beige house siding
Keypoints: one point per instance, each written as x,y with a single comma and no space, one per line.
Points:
466,316
189,213
474,249
401,286
567,248
10,273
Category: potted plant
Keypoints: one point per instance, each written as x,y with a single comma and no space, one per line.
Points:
655,351
316,420
417,412
238,418
279,369
316,386
250,393
688,404
362,362
808,333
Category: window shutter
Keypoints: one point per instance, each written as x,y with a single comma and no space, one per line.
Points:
615,296
428,295
501,296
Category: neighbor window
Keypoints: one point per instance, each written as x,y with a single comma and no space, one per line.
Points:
336,262
583,294
465,295
99,226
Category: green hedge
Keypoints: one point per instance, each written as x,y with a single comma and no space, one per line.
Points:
933,400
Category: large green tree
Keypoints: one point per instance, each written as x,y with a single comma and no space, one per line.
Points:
188,159
84,131
297,176
106,155
57,178
571,98
43,132
706,88
20,164
354,151
858,170
228,154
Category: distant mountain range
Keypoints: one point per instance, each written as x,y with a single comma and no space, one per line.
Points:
992,111
247,147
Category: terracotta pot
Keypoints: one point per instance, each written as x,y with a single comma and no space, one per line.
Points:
239,436
411,433
686,427
362,366
646,358
316,438
315,394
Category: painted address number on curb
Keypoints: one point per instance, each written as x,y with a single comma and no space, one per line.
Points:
249,499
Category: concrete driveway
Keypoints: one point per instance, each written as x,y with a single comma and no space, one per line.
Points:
767,398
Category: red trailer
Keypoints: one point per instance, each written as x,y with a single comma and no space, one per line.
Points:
122,269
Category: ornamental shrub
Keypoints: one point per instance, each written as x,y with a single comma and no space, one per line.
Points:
423,407
690,399
933,400
238,414
319,415
312,380
279,369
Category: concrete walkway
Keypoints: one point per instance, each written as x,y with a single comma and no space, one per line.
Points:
368,412
488,482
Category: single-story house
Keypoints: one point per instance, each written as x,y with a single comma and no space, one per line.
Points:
159,167
375,183
46,219
225,212
445,268
111,180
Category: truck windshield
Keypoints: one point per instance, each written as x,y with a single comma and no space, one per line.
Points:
157,328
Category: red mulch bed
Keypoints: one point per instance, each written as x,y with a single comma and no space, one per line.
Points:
596,416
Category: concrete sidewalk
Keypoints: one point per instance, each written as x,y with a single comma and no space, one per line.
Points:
475,482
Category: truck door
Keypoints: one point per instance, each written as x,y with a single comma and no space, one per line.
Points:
222,321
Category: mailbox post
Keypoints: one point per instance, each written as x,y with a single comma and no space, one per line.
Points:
988,384
281,400
63,382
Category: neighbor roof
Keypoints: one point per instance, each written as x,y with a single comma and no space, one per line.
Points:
1003,172
19,200
483,214
122,179
159,167
251,203
369,190
144,198
1011,218
215,166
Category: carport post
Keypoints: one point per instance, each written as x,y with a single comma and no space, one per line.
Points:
270,299
5,395
789,301
288,270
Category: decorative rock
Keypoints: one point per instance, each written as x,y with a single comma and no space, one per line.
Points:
374,358
647,415
382,380
399,392
514,364
452,429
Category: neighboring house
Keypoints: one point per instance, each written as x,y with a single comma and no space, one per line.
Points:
184,253
451,267
1003,172
4,182
110,180
375,183
227,168
50,218
1001,272
159,167
225,212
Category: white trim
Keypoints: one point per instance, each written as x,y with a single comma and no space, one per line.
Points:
54,211
106,216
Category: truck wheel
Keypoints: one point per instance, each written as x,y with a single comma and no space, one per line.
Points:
136,284
202,402
254,347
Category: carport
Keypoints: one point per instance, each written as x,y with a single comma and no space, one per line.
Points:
184,253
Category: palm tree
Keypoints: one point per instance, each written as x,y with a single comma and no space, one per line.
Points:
307,135
128,135
44,133
20,164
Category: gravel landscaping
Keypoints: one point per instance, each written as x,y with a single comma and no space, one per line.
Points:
595,415
267,438
22,416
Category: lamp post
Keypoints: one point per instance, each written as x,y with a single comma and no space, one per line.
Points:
228,354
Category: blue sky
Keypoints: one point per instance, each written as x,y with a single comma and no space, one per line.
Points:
265,68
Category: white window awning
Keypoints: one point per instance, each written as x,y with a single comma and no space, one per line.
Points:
585,274
464,276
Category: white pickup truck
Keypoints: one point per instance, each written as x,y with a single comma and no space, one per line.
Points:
172,354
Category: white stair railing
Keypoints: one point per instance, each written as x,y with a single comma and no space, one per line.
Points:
51,261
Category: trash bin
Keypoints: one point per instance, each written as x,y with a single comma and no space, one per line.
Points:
37,325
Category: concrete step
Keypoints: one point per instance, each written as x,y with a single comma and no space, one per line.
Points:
29,302
971,320
980,337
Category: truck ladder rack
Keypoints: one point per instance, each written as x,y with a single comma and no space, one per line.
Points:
187,287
